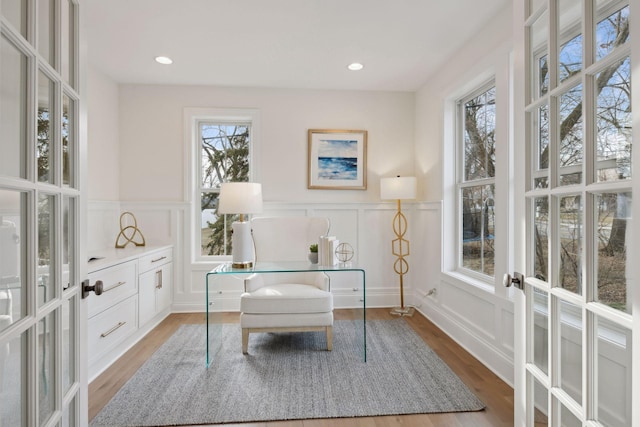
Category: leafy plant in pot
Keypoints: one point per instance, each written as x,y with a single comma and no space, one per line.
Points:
313,253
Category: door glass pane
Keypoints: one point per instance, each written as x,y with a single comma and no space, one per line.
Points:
46,248
539,408
613,233
570,229
613,364
12,257
478,228
15,11
612,30
13,108
567,419
68,344
537,4
68,128
571,136
541,238
13,377
46,28
570,38
69,414
614,122
45,128
67,35
46,366
539,56
541,127
539,313
570,378
68,247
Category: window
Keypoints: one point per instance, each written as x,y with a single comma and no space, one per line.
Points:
476,171
222,152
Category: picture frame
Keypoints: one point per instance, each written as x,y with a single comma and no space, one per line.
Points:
337,159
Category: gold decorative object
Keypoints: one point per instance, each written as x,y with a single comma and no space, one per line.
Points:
129,233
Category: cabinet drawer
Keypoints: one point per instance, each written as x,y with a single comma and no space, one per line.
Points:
147,262
119,282
110,327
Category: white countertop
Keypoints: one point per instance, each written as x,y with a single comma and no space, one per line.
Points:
109,257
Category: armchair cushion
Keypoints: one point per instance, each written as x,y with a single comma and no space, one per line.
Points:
286,298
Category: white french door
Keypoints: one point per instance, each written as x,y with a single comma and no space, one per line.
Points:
42,371
577,364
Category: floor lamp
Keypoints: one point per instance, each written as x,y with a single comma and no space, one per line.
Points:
399,188
241,198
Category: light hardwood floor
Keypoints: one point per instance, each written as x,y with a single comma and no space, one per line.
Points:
494,392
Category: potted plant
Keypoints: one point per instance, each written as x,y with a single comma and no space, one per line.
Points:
313,253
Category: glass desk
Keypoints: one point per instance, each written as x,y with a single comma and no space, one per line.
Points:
223,296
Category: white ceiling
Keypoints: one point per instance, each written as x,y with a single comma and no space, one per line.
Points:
281,43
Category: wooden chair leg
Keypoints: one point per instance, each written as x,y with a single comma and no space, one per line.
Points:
329,338
245,341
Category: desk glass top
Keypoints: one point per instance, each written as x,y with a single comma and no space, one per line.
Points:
283,267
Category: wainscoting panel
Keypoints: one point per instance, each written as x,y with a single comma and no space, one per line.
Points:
476,313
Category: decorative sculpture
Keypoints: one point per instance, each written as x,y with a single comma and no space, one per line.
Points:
128,233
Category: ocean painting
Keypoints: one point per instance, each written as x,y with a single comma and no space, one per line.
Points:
337,159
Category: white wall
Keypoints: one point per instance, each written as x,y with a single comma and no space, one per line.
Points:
152,166
104,141
480,318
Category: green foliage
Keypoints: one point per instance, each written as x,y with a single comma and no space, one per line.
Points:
313,248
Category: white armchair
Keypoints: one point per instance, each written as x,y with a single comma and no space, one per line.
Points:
286,302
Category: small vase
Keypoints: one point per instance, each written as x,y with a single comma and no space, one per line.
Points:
313,257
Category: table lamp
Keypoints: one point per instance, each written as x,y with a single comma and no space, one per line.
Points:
399,188
241,198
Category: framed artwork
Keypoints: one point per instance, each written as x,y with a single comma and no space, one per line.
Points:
337,159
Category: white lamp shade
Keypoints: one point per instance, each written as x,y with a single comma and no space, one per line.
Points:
398,188
240,198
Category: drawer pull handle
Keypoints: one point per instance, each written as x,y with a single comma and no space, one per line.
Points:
159,279
159,259
114,286
112,330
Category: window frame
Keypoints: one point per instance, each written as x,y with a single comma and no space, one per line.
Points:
461,184
193,117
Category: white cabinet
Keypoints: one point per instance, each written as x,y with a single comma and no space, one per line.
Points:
155,282
112,315
136,296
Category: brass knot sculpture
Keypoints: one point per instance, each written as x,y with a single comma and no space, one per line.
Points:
129,233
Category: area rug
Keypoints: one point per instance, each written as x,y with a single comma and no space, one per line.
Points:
288,376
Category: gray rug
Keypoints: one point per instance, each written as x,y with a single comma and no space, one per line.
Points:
288,376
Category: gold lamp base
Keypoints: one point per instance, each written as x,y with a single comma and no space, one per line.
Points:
402,311
245,265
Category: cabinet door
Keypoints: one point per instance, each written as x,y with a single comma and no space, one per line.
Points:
146,297
164,283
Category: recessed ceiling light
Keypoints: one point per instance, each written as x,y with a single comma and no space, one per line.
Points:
165,60
356,66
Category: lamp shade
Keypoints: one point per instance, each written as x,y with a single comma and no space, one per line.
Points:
240,198
398,188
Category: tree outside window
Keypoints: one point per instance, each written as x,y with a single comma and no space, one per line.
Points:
224,157
477,181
